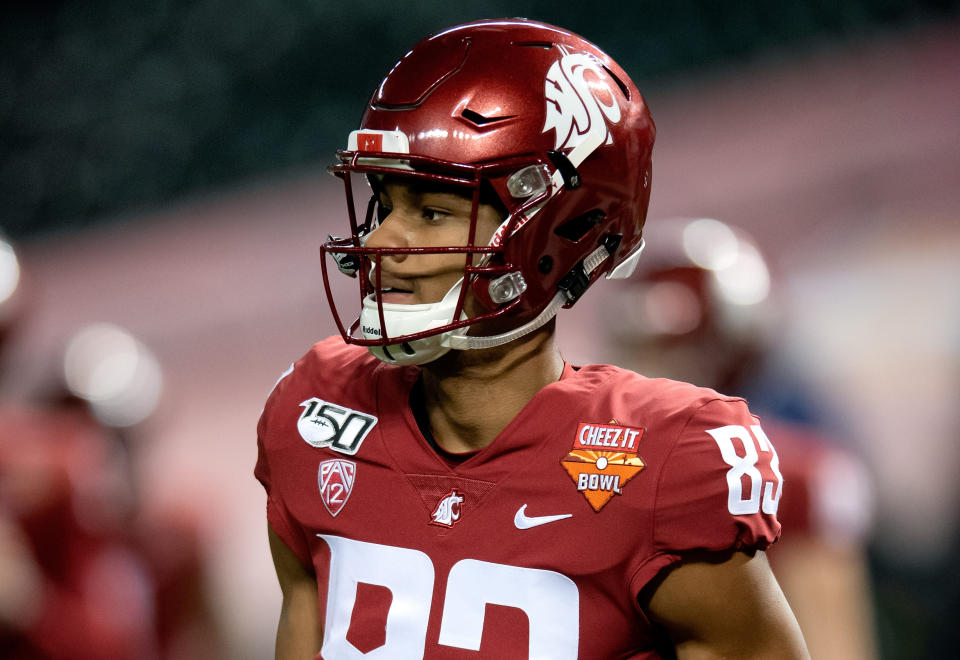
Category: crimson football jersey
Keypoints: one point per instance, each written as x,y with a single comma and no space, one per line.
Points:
534,547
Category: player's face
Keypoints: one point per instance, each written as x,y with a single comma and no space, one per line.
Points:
419,216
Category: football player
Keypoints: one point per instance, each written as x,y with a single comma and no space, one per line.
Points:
88,569
440,482
73,585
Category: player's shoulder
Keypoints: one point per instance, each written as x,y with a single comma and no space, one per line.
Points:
681,441
330,369
334,353
658,400
329,359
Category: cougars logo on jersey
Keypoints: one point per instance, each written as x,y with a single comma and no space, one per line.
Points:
448,510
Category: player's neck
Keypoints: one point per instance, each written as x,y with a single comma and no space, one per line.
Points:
470,396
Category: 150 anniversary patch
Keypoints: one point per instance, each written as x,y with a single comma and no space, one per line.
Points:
325,424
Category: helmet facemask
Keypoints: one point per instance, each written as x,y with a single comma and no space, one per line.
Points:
417,333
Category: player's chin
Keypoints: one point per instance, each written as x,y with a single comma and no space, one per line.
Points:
398,297
488,327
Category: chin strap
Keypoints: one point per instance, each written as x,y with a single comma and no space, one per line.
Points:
563,296
466,342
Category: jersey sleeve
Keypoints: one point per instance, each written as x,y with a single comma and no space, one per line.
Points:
718,489
278,515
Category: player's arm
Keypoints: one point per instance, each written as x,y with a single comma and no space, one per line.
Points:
728,607
298,632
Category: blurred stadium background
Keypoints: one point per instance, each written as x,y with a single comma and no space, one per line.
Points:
162,169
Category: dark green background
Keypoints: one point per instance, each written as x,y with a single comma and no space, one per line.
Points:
111,107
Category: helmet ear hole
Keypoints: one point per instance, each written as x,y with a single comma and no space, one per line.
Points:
576,228
620,83
612,242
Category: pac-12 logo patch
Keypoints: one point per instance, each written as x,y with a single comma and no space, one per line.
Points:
448,510
604,458
324,424
336,478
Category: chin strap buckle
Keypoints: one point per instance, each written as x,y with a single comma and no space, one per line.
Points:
575,283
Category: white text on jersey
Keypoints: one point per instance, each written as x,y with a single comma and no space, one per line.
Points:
601,435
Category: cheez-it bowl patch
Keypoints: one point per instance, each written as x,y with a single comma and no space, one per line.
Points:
604,458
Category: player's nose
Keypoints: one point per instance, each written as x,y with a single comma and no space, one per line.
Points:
389,233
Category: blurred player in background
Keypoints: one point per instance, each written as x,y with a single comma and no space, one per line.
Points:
88,571
699,309
459,490
73,585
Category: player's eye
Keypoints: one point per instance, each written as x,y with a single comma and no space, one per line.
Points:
434,216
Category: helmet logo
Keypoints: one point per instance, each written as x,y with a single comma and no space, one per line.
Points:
580,104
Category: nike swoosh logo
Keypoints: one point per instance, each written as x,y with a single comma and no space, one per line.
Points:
523,521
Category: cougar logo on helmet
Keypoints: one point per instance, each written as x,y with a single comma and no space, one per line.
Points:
579,105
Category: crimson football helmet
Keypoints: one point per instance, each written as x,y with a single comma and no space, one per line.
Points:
536,116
